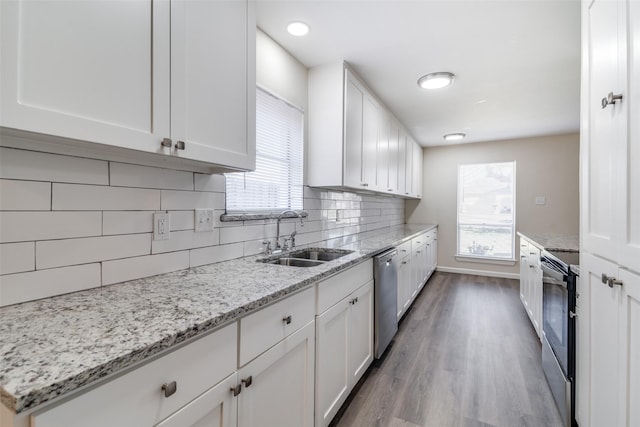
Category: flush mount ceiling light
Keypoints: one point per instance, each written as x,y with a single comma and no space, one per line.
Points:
298,29
436,80
454,136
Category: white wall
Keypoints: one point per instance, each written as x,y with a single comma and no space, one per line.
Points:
70,223
545,166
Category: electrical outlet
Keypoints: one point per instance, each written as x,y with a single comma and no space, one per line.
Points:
161,226
541,200
204,219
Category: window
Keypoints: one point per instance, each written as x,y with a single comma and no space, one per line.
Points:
276,184
486,211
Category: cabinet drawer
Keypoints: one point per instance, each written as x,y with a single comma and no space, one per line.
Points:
404,248
418,241
337,287
265,328
137,399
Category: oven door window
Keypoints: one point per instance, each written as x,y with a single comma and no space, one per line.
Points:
555,316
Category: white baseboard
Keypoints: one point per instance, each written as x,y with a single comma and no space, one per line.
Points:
443,269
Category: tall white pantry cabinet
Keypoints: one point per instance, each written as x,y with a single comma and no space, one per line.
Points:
608,353
167,83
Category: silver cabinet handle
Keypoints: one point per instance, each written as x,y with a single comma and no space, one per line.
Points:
287,320
364,184
572,314
169,388
247,381
180,145
236,390
166,142
611,99
389,189
610,281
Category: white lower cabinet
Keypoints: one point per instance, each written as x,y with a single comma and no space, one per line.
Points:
216,407
145,396
278,386
344,335
531,283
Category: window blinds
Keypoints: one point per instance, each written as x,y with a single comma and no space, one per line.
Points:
276,184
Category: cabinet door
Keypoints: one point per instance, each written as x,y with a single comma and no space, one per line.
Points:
213,81
605,129
630,348
408,167
370,121
382,173
332,366
214,408
524,270
404,285
604,332
353,110
360,332
96,71
417,170
394,155
278,385
629,207
402,162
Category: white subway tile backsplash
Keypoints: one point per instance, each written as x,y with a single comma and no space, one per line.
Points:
121,270
25,226
178,200
31,165
24,195
181,240
69,197
211,254
57,253
126,175
17,257
209,182
182,220
127,222
20,287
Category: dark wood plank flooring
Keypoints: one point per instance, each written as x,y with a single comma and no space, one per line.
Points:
466,355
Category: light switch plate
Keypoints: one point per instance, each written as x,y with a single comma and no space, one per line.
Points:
161,226
204,220
541,200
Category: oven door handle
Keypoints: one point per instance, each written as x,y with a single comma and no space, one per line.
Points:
551,275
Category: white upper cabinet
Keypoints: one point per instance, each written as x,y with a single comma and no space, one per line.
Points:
417,171
354,142
115,73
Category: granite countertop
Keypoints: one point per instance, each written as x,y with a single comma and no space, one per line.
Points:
553,242
56,345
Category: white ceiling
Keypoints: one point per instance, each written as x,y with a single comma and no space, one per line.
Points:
517,62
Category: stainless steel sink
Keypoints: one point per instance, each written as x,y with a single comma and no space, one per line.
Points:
295,262
319,254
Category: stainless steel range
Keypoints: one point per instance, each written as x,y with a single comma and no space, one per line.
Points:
559,329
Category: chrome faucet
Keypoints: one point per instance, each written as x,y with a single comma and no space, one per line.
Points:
292,237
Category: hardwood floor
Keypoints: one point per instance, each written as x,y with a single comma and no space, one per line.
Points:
466,355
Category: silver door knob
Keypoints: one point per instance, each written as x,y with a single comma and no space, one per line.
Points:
169,388
611,99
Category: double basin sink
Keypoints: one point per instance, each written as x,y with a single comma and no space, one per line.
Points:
307,257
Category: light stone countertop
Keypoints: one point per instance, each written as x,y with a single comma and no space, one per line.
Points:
553,242
56,345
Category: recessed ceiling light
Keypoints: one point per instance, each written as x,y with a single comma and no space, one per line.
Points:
454,136
298,29
436,80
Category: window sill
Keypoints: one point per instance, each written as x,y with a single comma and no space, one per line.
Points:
485,260
229,217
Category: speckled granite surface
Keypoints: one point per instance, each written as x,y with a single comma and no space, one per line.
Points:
554,242
56,345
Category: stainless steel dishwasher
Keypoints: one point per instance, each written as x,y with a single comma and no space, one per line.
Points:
385,276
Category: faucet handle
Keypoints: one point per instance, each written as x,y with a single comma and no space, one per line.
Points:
267,249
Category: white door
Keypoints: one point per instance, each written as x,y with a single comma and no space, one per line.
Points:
404,284
278,385
360,332
382,172
89,70
394,156
408,167
630,348
213,81
402,162
332,366
417,170
217,407
354,105
606,131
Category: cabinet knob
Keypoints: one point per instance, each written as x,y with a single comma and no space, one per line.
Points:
364,184
572,314
247,381
610,281
389,189
236,390
180,145
287,320
166,142
169,388
611,99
